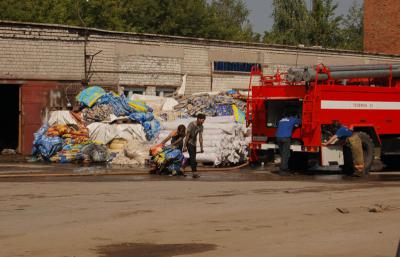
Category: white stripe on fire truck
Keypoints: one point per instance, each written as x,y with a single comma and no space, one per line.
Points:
359,105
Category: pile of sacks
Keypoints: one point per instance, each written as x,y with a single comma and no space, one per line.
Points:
225,140
92,134
113,117
67,143
212,104
100,106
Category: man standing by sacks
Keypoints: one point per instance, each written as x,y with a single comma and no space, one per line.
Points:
195,128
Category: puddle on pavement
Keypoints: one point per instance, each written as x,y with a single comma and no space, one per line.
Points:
152,250
265,173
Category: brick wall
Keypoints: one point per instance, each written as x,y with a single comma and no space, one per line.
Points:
382,26
150,70
198,67
39,54
51,52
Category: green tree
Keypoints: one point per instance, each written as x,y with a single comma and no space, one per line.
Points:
229,20
218,19
325,24
291,20
353,28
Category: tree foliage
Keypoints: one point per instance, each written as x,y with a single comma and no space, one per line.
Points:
290,23
295,24
353,28
324,29
219,19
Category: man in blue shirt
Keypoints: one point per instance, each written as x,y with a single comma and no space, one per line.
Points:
353,140
283,138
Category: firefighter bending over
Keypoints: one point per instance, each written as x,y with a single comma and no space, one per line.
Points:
354,142
283,137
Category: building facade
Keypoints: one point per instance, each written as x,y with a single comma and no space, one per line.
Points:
42,67
382,26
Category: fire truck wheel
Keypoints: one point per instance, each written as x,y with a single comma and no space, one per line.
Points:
368,152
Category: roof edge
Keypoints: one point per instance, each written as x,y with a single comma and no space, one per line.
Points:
194,39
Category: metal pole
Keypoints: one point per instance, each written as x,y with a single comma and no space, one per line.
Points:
310,75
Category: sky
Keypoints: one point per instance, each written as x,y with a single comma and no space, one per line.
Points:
261,10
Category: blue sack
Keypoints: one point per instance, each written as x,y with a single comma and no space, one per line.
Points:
173,154
119,103
152,129
141,117
45,146
90,95
150,125
223,110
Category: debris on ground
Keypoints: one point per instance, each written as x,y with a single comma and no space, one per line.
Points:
343,210
8,152
381,208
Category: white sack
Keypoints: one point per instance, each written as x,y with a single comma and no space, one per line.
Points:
102,132
233,148
105,133
225,123
169,104
181,90
203,157
61,118
131,132
155,102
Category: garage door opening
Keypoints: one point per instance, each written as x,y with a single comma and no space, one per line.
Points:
9,129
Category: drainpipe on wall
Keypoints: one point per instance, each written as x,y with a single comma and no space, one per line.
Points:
212,77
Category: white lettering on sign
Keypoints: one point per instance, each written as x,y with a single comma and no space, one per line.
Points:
359,105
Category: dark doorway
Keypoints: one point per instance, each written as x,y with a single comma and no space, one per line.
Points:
9,106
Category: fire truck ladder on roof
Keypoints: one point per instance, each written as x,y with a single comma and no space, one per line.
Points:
310,101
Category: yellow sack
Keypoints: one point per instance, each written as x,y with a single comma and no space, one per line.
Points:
138,106
240,117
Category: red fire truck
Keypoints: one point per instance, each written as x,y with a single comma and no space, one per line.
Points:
365,98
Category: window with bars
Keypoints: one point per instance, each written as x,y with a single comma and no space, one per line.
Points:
234,66
165,91
135,90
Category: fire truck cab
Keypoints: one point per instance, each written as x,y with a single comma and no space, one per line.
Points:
365,98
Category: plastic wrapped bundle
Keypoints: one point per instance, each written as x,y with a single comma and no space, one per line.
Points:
224,110
233,148
61,117
90,95
169,161
150,125
45,146
120,103
99,112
